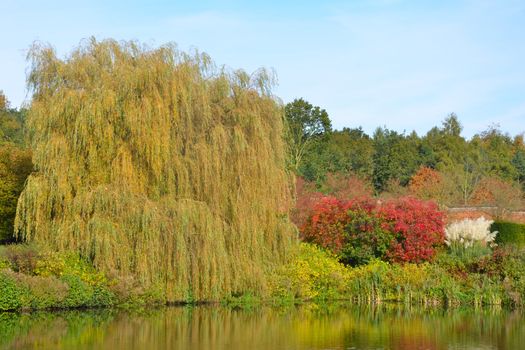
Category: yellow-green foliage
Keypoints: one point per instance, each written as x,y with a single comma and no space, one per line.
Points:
317,274
427,284
33,280
152,163
380,281
313,274
15,166
37,292
55,264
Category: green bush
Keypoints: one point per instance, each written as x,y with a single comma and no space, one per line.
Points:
31,279
4,263
425,283
469,254
80,294
506,267
102,297
11,294
87,287
509,233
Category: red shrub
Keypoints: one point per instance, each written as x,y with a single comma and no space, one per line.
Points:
418,227
326,225
336,185
398,230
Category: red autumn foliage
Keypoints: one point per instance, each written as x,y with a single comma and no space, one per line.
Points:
413,228
337,185
417,226
326,226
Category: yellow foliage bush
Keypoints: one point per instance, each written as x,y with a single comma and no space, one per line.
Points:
313,274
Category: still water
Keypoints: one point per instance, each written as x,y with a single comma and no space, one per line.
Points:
306,327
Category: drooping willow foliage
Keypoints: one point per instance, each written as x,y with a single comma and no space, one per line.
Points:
153,163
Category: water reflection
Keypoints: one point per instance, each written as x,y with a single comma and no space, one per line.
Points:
306,327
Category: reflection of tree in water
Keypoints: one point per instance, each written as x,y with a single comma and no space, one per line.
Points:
53,329
305,327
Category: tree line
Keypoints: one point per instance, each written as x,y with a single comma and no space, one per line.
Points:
442,164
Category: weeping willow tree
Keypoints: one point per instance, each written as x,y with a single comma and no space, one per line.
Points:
155,164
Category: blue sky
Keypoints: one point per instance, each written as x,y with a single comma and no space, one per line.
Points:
400,64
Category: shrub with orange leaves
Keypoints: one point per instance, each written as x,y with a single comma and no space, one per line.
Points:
429,184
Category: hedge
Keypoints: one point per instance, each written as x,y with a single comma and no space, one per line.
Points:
509,233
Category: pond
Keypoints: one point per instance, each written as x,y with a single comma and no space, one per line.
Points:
305,327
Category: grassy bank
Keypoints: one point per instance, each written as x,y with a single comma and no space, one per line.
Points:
494,278
30,280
